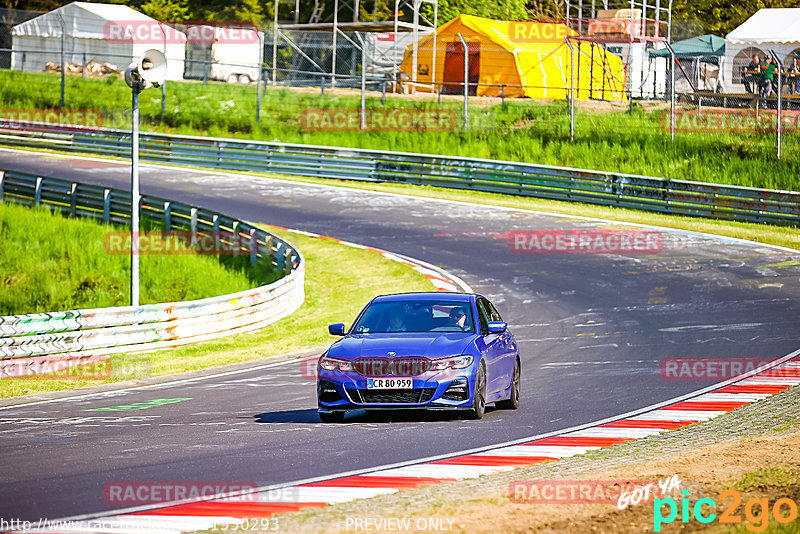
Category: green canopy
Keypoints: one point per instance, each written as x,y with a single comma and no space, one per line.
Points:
704,45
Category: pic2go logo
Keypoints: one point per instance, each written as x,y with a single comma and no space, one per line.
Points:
756,511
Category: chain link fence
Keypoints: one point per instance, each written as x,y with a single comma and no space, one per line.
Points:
457,81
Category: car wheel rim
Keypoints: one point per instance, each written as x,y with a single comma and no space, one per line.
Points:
515,389
481,390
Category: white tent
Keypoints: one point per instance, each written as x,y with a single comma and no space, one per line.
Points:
768,30
95,32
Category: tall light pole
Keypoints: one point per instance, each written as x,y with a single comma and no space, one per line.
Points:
149,70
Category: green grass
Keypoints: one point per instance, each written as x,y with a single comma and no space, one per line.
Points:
520,130
768,484
330,269
769,477
51,263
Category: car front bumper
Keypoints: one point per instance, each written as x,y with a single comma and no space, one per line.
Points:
341,392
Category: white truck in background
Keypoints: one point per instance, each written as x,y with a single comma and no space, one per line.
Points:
223,53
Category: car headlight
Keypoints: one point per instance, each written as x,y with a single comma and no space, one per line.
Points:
332,364
456,362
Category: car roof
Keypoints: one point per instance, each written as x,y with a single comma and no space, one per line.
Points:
425,295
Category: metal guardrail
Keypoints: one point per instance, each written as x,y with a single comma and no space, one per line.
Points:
677,197
104,331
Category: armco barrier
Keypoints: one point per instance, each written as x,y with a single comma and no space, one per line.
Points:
678,197
103,331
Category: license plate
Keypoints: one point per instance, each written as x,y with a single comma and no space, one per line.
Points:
390,383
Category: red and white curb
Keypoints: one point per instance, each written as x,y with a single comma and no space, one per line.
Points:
441,279
696,407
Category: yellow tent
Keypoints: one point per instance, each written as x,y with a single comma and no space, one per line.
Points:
516,59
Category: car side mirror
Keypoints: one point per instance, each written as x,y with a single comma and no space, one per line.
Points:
336,329
496,327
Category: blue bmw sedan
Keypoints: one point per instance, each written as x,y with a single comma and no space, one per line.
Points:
443,351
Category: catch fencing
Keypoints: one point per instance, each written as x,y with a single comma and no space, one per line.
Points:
90,333
675,197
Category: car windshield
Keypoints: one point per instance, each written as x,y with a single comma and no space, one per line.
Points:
416,316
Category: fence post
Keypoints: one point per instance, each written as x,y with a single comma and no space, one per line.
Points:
260,71
106,205
253,247
167,216
363,84
778,114
383,92
63,68
83,70
571,89
671,91
466,80
73,200
37,193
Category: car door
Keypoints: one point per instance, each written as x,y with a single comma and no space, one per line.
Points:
509,344
493,348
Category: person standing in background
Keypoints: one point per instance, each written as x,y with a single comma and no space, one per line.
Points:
751,75
767,76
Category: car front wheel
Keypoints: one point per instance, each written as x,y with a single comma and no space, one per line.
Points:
479,397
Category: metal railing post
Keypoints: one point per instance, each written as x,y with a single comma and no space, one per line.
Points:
778,114
63,67
135,195
671,91
571,89
363,111
260,75
466,80
275,44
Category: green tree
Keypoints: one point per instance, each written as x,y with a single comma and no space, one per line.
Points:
166,10
720,17
450,9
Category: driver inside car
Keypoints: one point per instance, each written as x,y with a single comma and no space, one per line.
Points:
458,317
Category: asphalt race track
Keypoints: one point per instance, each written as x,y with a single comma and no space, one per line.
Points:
592,329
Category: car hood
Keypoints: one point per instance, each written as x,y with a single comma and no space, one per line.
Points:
426,344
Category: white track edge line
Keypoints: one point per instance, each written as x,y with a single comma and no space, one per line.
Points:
356,472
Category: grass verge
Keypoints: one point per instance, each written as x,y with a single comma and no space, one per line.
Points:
607,136
339,281
49,262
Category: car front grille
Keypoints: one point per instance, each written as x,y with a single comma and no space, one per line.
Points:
391,396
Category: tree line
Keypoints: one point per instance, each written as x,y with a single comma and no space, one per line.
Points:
690,17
